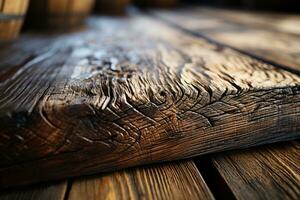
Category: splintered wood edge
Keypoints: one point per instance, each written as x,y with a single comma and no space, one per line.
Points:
169,96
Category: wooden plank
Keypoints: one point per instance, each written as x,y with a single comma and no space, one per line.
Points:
271,37
271,172
119,95
54,191
180,180
275,22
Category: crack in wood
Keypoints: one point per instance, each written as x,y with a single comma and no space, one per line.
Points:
136,96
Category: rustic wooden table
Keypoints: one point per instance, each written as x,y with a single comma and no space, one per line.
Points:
150,88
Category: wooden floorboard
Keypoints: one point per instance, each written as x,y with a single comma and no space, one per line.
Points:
270,172
118,95
165,181
269,36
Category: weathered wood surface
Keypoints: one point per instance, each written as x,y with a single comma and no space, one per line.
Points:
269,36
180,180
272,21
120,95
54,191
271,172
177,180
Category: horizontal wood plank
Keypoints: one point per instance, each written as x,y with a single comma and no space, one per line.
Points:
180,180
272,37
118,94
271,172
272,21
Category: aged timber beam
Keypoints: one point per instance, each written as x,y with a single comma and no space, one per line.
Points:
127,92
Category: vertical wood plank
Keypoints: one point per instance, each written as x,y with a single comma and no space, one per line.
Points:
2,5
271,172
180,180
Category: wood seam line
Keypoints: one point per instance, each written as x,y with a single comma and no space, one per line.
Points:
229,20
221,44
275,165
213,178
2,6
176,180
68,189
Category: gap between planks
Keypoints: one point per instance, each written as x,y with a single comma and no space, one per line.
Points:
177,180
268,172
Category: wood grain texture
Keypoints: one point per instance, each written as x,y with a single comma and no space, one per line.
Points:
272,37
271,172
12,13
55,191
119,95
165,181
272,21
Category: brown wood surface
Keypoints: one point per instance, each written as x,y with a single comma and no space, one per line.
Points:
177,180
180,180
117,7
119,94
58,14
54,191
12,14
272,21
274,37
156,3
270,172
18,7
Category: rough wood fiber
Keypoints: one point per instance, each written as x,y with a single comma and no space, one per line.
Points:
44,192
119,95
167,181
271,172
272,37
